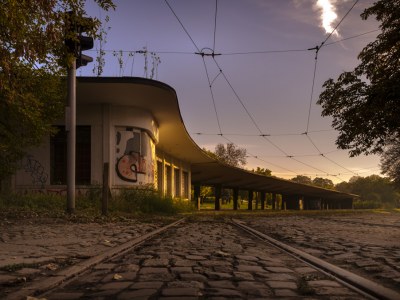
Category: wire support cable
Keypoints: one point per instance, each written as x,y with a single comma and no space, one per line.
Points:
338,24
183,27
212,96
215,23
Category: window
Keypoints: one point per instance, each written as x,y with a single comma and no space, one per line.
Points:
177,176
58,156
160,176
168,175
185,185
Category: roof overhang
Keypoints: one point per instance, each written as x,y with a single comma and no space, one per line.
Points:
161,101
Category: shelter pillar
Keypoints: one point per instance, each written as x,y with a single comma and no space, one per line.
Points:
250,201
235,198
218,193
273,201
263,196
197,195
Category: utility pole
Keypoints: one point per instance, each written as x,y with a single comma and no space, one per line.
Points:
76,43
71,138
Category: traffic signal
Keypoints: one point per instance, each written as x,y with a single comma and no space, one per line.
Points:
75,41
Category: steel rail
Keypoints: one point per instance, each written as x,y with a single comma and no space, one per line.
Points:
357,283
41,287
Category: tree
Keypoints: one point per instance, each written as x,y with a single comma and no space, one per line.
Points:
231,155
262,171
390,161
364,103
323,182
33,58
302,179
374,188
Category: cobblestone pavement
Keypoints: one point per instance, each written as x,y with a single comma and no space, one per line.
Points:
365,243
31,249
203,259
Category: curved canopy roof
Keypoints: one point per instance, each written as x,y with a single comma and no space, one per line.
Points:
162,102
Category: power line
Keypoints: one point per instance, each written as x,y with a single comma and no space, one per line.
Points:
212,96
338,24
215,23
166,1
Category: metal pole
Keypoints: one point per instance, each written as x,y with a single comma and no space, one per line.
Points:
71,138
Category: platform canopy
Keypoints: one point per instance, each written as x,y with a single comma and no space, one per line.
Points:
162,102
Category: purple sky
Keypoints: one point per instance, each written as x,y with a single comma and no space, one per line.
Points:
263,93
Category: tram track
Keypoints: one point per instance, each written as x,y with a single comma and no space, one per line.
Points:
68,274
359,284
198,242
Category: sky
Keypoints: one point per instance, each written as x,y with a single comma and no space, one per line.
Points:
259,90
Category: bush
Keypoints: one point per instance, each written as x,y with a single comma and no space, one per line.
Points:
126,201
147,201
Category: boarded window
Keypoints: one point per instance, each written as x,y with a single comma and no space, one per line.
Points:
58,156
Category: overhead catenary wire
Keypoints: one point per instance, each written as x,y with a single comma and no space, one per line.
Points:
264,136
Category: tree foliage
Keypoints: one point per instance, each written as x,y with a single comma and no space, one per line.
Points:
302,179
390,160
323,182
374,188
33,58
262,171
364,103
230,155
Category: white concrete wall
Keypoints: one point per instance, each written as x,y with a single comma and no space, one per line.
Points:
105,120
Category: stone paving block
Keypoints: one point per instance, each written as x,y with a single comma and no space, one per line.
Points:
277,276
285,293
193,277
254,288
184,292
105,266
147,285
27,271
282,285
243,276
151,270
4,278
217,275
305,270
185,284
137,294
279,270
324,283
338,291
117,285
225,284
247,268
156,277
247,257
183,263
220,292
180,270
212,263
156,262
66,296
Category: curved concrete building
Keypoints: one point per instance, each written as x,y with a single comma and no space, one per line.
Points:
135,125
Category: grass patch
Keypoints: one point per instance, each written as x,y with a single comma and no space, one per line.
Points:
124,205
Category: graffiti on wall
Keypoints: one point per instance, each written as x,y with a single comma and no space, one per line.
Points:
36,170
134,155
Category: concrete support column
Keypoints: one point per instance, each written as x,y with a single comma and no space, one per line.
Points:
196,199
250,202
273,201
263,198
235,199
218,193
